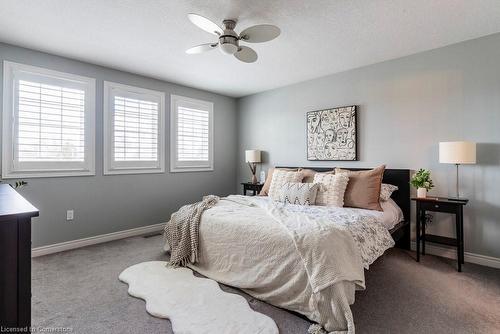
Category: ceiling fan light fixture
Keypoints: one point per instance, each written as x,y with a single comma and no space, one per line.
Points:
228,44
228,48
228,41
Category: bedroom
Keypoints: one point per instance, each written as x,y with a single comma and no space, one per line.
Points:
350,85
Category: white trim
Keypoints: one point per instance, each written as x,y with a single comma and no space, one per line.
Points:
130,167
451,253
175,167
191,169
73,244
11,168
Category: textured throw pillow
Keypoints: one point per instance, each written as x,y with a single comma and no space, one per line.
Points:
363,189
386,191
331,192
308,174
265,188
298,193
280,177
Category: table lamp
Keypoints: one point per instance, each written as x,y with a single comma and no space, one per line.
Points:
252,157
457,152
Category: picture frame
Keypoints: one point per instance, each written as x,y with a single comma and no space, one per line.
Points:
332,134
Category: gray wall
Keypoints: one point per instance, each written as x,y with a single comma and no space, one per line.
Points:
111,203
406,106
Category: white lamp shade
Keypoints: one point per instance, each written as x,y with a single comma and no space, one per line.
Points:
457,152
252,156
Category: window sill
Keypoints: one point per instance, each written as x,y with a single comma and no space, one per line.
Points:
43,174
119,171
190,169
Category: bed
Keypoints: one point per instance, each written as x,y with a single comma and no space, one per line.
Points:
401,233
309,260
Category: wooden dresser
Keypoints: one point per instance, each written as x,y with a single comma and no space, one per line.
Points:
15,260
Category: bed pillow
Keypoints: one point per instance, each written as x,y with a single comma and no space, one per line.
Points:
386,191
309,174
332,189
363,189
280,177
392,214
265,188
298,193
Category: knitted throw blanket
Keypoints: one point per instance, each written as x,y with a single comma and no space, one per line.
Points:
182,231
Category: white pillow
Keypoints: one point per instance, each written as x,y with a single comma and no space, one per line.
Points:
280,177
386,191
331,192
392,214
298,193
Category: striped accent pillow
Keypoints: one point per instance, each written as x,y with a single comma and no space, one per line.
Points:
298,193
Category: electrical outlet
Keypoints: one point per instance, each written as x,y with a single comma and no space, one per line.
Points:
70,214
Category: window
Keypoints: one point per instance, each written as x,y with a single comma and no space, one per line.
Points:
48,123
191,133
134,130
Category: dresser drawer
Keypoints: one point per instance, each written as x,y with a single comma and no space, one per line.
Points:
438,206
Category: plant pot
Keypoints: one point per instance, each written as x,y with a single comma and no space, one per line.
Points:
421,192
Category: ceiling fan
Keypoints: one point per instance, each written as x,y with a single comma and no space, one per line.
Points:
229,40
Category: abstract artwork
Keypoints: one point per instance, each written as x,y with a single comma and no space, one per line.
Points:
331,134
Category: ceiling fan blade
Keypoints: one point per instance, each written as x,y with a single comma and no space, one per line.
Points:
205,24
202,48
246,54
260,33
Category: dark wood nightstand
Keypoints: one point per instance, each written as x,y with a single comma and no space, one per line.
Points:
15,259
447,205
249,186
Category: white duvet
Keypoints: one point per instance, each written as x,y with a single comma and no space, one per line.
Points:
306,259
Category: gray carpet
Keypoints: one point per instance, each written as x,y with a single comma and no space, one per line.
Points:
80,289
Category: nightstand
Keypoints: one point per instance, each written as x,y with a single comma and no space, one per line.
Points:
249,186
446,205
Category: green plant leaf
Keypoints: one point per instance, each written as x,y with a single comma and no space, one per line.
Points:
422,179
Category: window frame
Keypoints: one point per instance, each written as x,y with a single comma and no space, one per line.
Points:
192,166
112,167
12,73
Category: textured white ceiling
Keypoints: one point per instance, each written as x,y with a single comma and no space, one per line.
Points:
319,37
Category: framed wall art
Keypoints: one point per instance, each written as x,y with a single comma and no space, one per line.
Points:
332,134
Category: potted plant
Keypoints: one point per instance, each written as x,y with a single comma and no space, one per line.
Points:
422,181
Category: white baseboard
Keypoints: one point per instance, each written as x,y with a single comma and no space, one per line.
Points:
67,245
451,253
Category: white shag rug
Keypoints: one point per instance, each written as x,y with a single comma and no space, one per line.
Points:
193,304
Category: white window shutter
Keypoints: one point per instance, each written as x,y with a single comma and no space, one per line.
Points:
191,134
48,123
133,130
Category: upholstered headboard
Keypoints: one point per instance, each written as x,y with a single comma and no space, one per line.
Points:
397,177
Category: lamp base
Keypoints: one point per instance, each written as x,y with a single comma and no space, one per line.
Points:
253,169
